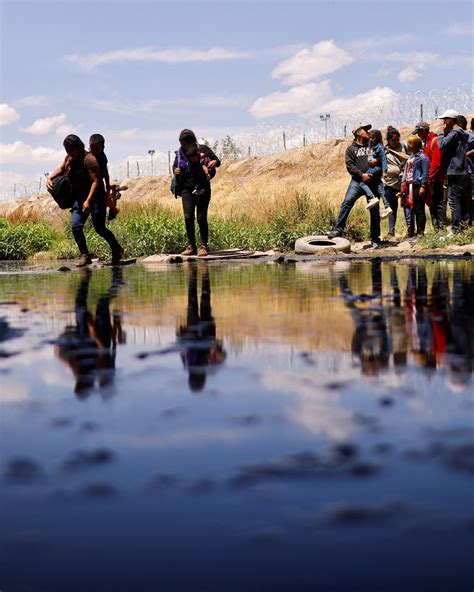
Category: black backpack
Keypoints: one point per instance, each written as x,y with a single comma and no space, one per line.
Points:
61,191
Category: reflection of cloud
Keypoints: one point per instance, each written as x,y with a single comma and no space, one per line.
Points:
315,409
196,436
12,391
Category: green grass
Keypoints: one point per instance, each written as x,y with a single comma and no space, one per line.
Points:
20,241
440,240
145,230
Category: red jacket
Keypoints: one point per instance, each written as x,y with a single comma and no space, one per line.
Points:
433,152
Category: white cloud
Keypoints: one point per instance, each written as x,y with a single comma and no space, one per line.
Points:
8,115
362,105
459,30
299,99
32,101
21,153
313,63
91,61
63,130
411,72
154,105
44,125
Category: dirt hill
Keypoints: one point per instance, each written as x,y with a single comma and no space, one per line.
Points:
247,185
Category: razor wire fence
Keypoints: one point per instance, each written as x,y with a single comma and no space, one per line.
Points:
278,135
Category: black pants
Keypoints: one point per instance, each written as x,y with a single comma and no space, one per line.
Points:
457,200
438,207
199,204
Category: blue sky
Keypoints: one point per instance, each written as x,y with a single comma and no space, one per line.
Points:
138,72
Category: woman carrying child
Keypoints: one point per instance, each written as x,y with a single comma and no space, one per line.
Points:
377,169
414,183
193,167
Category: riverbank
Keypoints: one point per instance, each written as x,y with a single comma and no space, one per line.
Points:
148,230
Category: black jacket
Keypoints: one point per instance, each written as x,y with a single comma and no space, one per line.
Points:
186,179
357,161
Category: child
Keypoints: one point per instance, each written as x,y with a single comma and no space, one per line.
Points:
378,167
414,182
198,167
96,146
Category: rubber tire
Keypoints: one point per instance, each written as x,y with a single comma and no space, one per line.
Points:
304,246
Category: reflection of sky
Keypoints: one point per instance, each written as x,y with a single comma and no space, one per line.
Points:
176,453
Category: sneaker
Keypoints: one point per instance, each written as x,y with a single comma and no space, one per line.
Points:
189,250
334,233
375,245
203,252
390,234
84,260
373,201
386,212
117,256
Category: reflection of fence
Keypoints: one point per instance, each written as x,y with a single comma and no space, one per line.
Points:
275,136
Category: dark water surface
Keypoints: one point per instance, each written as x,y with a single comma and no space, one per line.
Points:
239,428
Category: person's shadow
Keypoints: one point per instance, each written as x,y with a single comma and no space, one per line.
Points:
89,347
200,350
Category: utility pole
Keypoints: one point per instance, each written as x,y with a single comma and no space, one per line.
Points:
151,152
284,141
304,140
345,131
325,118
421,111
138,170
250,151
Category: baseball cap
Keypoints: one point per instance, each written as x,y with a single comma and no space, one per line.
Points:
451,113
421,125
359,126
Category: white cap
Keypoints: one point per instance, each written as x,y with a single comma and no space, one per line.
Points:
451,113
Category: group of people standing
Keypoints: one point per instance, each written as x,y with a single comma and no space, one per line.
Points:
413,175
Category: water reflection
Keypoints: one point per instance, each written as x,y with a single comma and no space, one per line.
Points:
435,323
89,347
200,350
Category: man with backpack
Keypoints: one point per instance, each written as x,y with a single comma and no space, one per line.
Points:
81,170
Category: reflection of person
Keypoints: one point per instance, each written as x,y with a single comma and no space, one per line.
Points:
418,316
460,342
370,342
89,346
396,323
197,339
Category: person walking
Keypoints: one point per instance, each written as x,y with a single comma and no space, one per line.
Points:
396,159
357,163
88,191
195,204
454,147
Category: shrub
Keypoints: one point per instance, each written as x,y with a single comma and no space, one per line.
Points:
20,241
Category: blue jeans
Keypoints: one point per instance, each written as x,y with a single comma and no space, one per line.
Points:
354,191
392,199
457,185
98,214
415,217
376,181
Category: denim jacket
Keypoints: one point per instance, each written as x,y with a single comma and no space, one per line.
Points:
420,169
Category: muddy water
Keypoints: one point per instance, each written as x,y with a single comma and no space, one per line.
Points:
248,427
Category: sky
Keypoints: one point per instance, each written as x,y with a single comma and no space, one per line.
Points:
139,72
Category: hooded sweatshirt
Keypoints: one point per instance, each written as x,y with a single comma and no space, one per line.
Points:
357,160
454,147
